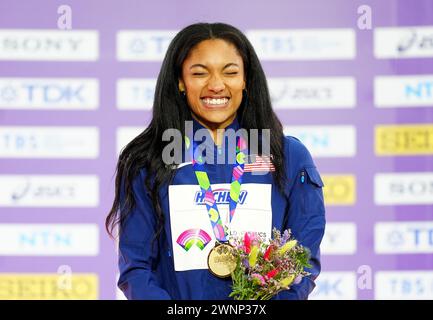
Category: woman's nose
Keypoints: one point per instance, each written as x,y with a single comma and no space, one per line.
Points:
216,84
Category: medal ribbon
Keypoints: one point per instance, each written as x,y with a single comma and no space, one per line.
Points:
218,228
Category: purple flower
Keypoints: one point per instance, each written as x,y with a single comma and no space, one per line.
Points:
285,237
298,279
246,263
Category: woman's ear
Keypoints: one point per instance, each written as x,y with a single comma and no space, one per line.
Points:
181,85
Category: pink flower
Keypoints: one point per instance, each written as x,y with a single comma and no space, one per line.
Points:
247,243
258,278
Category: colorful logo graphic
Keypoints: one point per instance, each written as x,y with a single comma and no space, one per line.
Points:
191,237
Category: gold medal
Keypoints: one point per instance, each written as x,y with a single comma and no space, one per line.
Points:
221,260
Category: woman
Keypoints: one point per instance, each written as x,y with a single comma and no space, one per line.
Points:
212,77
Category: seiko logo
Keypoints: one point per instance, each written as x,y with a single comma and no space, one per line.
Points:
41,286
222,196
414,139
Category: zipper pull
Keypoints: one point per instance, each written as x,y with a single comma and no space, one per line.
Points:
302,176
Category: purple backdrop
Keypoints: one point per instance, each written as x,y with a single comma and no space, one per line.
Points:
108,17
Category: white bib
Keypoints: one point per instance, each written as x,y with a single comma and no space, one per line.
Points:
191,230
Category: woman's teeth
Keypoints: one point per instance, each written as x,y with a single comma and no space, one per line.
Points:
215,101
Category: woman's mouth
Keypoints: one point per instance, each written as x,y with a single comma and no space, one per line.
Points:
215,102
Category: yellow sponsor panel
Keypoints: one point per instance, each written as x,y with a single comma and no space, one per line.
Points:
404,140
339,189
47,286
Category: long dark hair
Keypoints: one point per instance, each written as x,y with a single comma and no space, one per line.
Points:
170,110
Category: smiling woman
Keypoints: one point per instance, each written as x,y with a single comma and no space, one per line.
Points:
213,79
176,223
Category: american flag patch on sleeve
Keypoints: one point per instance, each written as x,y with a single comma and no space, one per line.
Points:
258,163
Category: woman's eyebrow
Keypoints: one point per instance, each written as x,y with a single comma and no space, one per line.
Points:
230,65
203,66
198,65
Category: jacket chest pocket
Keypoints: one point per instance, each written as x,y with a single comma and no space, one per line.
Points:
312,191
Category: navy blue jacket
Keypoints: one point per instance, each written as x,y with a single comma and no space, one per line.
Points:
151,274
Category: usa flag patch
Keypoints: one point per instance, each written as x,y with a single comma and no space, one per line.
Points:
259,163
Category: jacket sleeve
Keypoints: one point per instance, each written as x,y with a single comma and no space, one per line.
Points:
137,278
306,214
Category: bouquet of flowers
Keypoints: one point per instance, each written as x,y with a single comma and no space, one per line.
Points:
266,267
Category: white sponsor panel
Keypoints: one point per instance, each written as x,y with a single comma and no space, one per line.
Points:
49,239
403,91
135,94
49,191
403,237
403,188
313,93
326,141
46,44
124,135
403,42
49,93
335,285
303,44
339,238
191,229
143,45
49,142
403,285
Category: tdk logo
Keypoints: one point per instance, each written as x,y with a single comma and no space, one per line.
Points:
53,93
222,196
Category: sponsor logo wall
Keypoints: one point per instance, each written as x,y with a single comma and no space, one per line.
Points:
361,100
